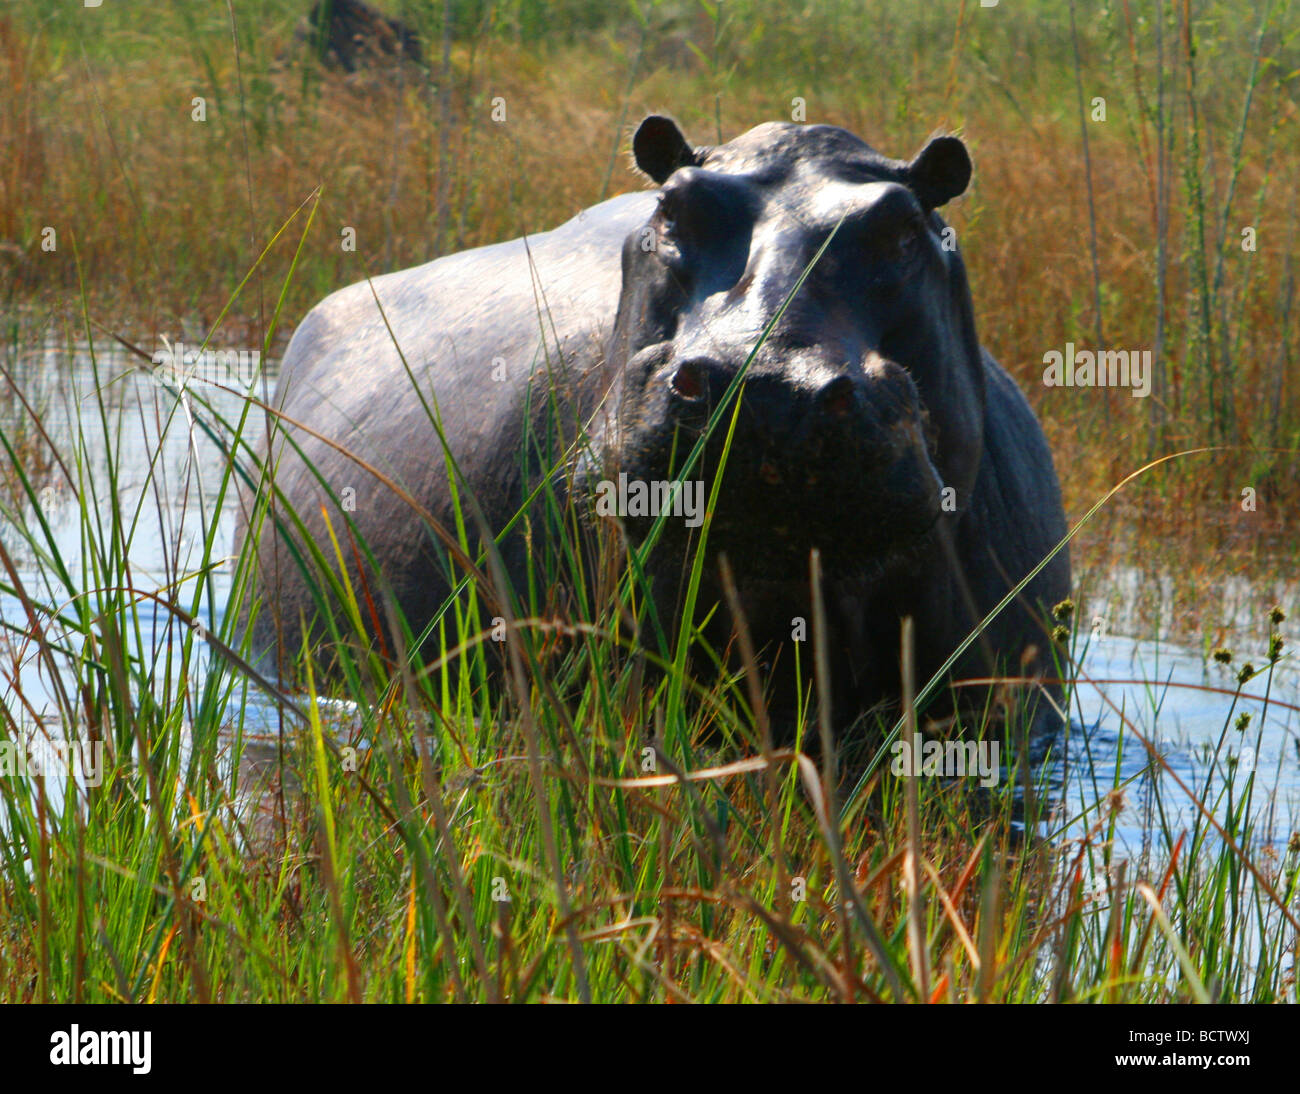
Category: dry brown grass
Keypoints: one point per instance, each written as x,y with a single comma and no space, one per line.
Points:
22,168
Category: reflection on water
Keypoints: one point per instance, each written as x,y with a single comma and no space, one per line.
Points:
1132,691
124,443
168,472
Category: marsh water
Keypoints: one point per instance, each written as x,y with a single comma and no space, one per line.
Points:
168,473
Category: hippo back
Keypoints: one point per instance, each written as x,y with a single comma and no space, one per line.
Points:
380,367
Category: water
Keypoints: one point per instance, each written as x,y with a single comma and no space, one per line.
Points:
1131,691
170,471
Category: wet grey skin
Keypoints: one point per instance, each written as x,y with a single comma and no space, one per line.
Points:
872,424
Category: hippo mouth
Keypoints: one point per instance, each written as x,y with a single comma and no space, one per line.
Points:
873,534
871,538
869,502
770,515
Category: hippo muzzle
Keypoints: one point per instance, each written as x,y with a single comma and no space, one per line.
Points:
837,459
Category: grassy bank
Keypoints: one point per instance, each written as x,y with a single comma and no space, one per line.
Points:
589,835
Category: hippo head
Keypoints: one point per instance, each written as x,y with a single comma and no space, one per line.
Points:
802,282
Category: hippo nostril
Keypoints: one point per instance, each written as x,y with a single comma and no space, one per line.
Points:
688,381
837,398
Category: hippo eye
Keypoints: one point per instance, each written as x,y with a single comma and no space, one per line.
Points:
908,241
895,245
668,210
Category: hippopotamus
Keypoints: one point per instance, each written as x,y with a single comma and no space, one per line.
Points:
782,329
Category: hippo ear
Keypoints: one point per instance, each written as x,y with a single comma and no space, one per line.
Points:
659,147
940,171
